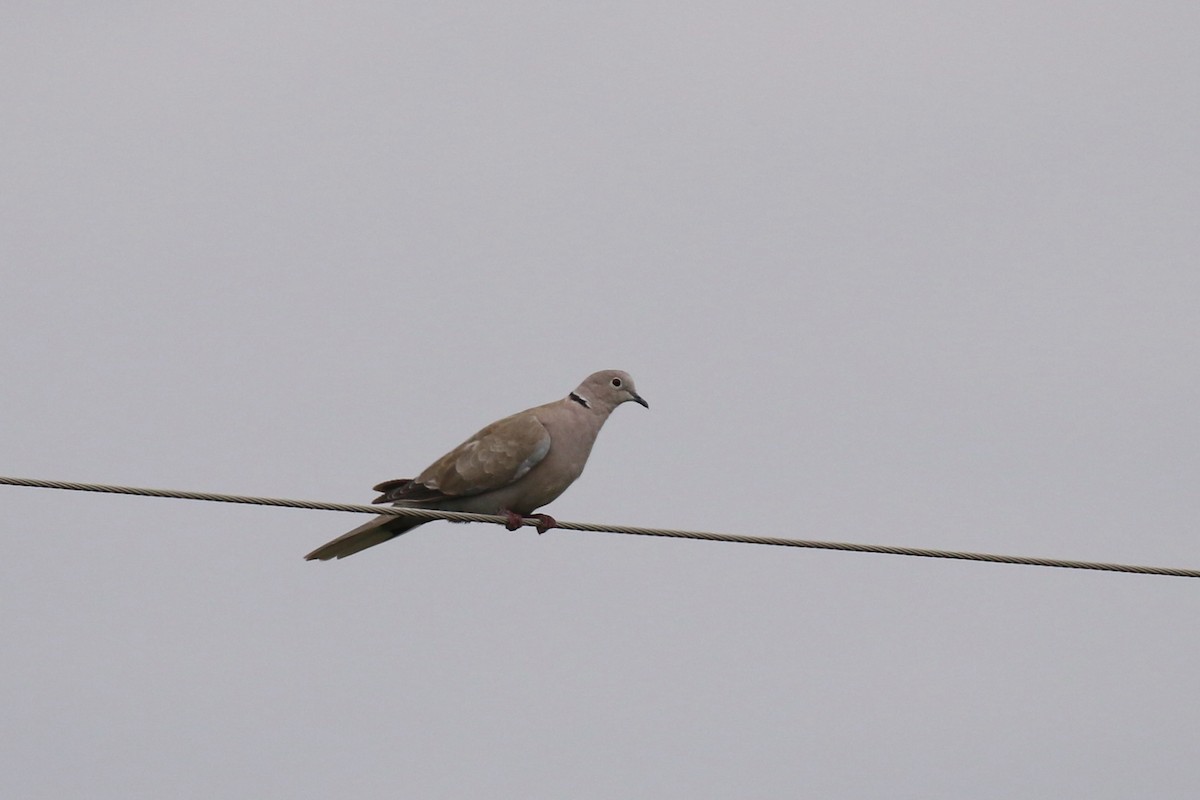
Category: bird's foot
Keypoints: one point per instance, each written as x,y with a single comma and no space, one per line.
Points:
545,522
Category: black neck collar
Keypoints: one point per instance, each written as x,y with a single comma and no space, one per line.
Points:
581,400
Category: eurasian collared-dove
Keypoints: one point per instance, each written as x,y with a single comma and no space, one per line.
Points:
510,468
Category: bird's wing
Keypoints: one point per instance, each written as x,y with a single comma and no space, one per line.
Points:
391,489
497,456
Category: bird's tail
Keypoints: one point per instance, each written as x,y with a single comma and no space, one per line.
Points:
369,534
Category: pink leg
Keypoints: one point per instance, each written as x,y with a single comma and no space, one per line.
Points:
545,522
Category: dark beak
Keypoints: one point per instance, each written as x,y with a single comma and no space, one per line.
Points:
637,398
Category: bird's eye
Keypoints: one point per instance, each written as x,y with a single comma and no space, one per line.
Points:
616,382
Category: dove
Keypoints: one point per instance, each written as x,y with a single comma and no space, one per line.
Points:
511,468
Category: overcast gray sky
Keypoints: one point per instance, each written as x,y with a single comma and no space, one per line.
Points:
907,273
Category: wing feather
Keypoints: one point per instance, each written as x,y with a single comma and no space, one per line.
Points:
493,458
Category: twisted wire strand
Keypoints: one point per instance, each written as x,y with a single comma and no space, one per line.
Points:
456,516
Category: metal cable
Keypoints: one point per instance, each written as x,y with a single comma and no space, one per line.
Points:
455,516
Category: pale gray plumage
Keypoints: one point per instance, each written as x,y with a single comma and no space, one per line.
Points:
511,467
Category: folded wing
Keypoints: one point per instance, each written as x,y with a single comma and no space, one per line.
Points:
497,456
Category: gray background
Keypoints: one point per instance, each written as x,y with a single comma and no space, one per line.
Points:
906,273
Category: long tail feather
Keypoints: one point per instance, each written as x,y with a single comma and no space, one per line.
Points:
377,531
